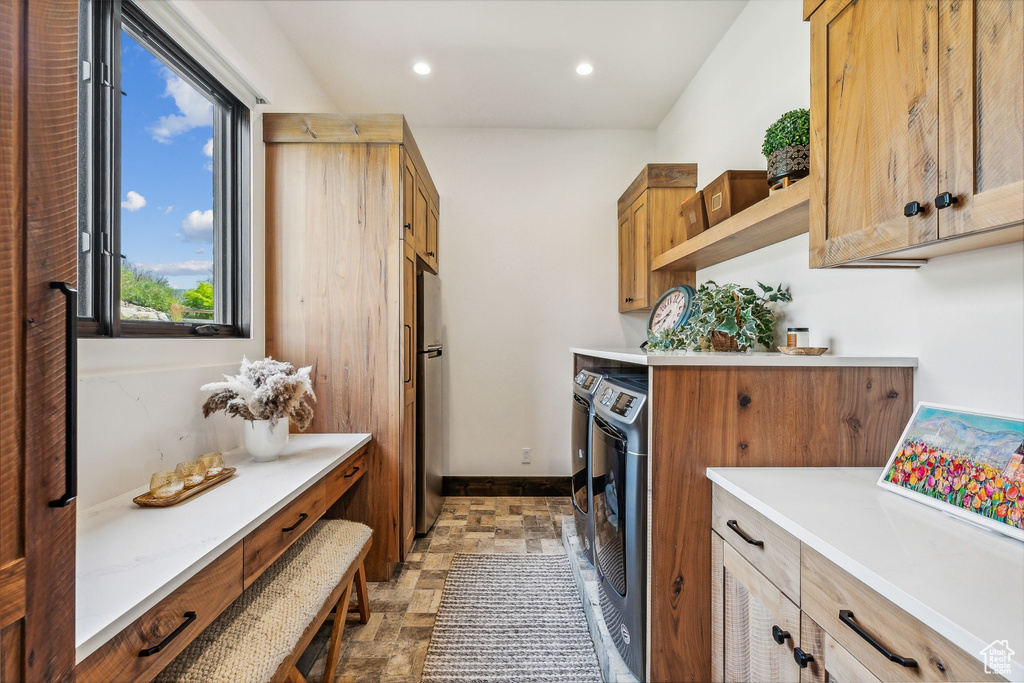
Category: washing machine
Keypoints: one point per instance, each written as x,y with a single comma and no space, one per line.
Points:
584,385
619,484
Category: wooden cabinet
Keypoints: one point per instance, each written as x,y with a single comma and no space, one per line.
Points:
270,539
38,212
341,293
915,101
651,222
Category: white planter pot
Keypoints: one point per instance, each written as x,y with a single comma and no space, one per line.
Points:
264,443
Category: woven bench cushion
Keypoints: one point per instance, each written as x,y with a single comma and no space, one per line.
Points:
260,629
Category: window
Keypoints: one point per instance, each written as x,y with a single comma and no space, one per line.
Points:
164,175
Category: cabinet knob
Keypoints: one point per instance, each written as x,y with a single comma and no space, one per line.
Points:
431,254
913,208
408,226
628,299
945,200
802,658
779,635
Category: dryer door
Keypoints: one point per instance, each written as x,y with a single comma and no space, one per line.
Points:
610,510
580,447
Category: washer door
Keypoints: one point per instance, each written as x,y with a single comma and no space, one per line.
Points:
610,503
580,432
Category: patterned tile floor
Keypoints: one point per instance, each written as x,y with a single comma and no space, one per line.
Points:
392,646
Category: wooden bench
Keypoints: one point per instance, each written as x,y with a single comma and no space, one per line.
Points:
262,634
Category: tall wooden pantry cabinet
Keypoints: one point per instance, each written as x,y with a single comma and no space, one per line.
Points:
352,219
38,205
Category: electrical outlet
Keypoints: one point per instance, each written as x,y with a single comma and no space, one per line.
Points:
526,456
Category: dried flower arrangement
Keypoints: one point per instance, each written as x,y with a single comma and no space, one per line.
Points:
264,390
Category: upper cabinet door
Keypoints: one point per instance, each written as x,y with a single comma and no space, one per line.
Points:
874,104
432,238
981,114
408,201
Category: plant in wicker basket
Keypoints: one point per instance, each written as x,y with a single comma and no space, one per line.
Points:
727,318
264,390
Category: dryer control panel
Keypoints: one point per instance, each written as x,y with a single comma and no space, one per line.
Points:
586,380
620,402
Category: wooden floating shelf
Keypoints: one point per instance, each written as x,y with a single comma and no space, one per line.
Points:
783,215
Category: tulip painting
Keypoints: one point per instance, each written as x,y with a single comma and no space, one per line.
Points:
962,461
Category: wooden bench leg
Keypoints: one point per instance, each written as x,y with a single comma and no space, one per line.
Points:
295,676
337,630
362,595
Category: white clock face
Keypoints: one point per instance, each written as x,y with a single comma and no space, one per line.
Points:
669,311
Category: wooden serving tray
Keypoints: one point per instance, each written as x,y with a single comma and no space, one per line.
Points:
803,350
148,500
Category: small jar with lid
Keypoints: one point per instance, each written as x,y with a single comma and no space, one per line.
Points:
798,337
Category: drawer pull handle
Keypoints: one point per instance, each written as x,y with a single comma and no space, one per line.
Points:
293,527
732,524
190,616
352,473
846,616
802,658
779,635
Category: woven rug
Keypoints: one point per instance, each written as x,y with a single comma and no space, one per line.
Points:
513,618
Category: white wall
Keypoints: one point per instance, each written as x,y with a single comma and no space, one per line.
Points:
961,315
139,399
528,263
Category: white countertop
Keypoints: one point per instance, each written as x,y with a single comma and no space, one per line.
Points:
962,580
753,358
130,558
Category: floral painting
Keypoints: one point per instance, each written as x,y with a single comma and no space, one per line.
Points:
962,461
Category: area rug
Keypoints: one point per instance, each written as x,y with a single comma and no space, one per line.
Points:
510,618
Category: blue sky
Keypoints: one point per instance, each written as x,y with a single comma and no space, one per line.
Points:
166,170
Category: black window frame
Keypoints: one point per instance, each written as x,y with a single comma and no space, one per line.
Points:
100,176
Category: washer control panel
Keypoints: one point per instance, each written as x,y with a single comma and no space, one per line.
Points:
586,380
623,403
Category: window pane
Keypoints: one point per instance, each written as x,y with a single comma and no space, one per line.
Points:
167,192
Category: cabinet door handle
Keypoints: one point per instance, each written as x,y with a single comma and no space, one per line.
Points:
431,254
914,208
802,658
408,226
846,616
293,527
629,299
190,616
351,474
732,524
945,200
408,354
779,635
70,394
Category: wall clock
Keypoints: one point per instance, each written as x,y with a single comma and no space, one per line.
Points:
672,310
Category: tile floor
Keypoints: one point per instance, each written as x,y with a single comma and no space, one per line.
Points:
392,646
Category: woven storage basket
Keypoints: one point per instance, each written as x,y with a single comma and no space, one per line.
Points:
720,341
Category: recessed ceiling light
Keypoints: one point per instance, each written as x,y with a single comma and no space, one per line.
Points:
584,69
422,68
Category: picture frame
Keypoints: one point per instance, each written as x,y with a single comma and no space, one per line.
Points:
965,462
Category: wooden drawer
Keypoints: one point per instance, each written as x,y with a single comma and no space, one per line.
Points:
774,552
205,595
843,667
264,545
827,589
341,478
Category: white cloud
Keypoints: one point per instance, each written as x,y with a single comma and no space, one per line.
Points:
200,251
180,268
198,226
208,148
168,210
194,110
134,202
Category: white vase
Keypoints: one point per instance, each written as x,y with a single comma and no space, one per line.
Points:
264,442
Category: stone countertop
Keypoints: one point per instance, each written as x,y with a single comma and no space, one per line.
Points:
750,359
963,580
129,558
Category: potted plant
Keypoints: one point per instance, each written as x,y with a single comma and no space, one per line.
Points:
787,144
264,393
726,318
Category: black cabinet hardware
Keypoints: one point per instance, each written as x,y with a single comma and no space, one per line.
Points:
945,200
349,475
802,658
190,616
293,527
913,208
732,524
70,394
846,616
779,635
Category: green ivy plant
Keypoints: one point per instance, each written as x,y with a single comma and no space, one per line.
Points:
793,128
737,311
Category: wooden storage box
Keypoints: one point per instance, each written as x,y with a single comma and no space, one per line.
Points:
733,191
695,216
